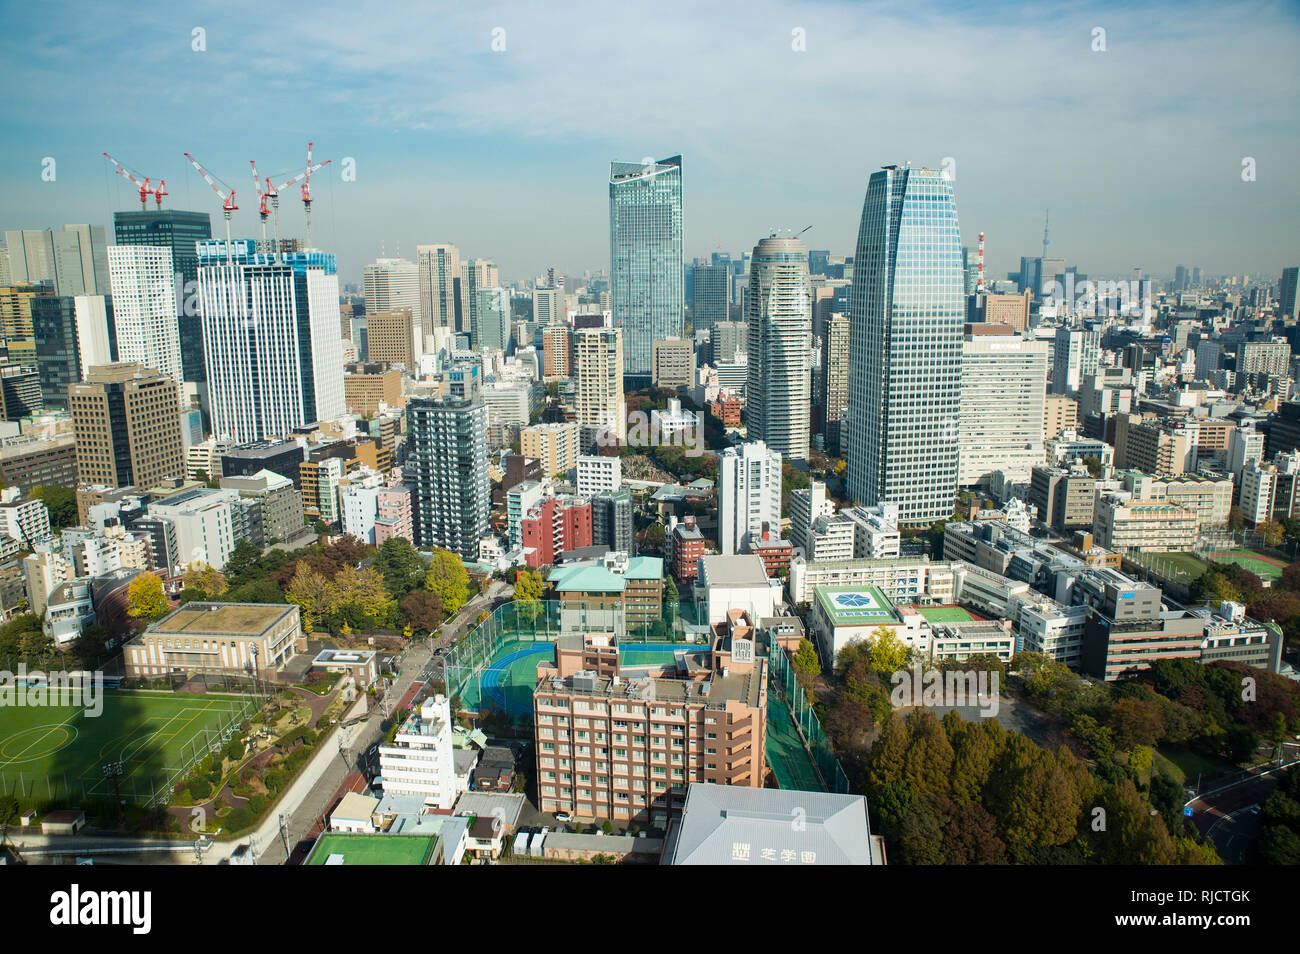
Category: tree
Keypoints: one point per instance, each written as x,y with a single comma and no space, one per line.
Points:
889,654
241,565
401,566
312,593
805,660
448,578
207,581
146,600
61,502
423,609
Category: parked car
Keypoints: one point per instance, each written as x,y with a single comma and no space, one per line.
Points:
563,816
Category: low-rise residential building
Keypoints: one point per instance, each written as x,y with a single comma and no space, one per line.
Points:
420,760
627,591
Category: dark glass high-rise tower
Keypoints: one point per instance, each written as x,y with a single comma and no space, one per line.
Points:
906,314
647,284
178,231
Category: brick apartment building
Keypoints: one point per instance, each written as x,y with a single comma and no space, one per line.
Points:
624,743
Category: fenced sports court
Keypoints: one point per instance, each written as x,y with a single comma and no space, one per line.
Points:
59,753
494,668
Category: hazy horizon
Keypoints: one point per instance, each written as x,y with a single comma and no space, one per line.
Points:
1137,150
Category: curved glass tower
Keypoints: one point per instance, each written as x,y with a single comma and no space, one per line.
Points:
646,280
906,314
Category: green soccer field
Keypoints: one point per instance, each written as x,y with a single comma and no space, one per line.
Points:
1266,568
61,751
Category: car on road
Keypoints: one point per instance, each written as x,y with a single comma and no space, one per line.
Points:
1253,809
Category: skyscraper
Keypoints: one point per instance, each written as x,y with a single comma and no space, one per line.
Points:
143,283
179,231
709,295
749,495
647,284
906,315
73,334
439,267
835,381
271,339
476,275
128,427
73,257
448,442
491,318
1289,293
778,397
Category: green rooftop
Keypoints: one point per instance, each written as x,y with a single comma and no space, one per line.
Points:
645,568
586,579
374,849
855,605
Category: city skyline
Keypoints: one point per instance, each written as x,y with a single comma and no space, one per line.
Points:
447,169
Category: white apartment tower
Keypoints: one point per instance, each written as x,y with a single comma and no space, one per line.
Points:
392,283
597,372
749,495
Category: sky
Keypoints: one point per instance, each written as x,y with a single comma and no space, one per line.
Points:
781,112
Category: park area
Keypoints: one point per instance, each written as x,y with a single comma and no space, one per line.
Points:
53,753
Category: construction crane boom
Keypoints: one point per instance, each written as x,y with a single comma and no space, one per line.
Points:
227,200
263,209
146,189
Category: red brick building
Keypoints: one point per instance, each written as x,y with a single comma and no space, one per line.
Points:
683,549
553,526
727,408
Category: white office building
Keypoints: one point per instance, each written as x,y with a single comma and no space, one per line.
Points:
1003,386
271,339
202,522
392,283
749,495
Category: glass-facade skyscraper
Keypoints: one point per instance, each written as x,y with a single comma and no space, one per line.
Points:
709,295
178,231
906,313
647,284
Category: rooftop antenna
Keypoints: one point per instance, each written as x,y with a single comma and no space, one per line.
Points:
1046,241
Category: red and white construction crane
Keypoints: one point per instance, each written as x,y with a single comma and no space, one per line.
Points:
273,193
146,189
263,196
227,200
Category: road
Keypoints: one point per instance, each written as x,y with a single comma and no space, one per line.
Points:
1222,816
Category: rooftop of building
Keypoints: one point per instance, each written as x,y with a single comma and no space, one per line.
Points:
855,605
235,619
746,569
338,849
727,824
